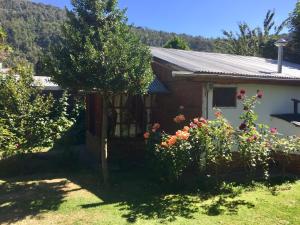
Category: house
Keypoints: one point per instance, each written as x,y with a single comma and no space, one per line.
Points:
194,83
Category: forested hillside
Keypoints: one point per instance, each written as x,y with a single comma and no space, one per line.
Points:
31,27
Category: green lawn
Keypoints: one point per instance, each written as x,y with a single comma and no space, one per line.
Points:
60,196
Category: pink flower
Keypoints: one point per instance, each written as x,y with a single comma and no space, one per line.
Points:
274,130
156,126
146,135
202,120
259,94
218,114
192,125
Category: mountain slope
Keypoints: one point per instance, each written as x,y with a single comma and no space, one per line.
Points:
32,27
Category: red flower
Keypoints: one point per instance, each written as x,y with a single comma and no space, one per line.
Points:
243,126
273,130
242,91
259,94
239,96
146,135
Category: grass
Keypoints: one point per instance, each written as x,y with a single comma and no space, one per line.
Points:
52,194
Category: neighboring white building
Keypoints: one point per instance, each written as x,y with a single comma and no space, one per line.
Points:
220,76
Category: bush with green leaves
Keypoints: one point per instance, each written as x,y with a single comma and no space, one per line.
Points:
203,144
29,119
209,144
254,140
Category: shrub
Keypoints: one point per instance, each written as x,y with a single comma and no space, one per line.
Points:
202,144
209,144
29,119
253,140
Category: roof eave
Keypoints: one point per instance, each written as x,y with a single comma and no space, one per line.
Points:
222,76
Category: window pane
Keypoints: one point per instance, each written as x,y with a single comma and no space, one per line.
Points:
224,97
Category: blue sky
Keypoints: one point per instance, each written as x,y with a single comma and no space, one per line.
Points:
197,17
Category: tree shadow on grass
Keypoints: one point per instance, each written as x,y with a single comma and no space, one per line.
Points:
131,192
225,205
138,198
20,198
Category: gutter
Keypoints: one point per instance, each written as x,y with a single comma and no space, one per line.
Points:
207,75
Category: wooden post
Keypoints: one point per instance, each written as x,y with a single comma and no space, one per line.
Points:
104,143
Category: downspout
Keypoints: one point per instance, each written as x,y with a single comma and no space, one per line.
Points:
208,87
207,92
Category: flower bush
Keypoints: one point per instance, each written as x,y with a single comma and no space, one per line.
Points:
203,143
209,144
253,140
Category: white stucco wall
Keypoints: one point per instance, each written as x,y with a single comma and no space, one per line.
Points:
276,100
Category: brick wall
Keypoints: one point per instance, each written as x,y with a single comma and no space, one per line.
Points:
183,92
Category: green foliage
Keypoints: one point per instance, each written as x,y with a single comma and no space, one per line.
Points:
177,43
209,145
252,42
33,27
203,144
254,140
294,22
30,28
99,52
29,120
159,39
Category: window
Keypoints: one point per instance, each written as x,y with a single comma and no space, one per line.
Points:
129,116
224,97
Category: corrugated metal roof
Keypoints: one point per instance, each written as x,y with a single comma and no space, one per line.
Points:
226,64
156,87
46,83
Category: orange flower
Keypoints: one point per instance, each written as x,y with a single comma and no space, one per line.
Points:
218,114
180,118
164,144
146,135
172,140
186,128
183,135
156,126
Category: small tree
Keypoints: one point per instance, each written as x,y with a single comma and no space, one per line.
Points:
177,43
258,41
99,53
295,31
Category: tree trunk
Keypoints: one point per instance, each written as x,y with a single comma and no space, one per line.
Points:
104,141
